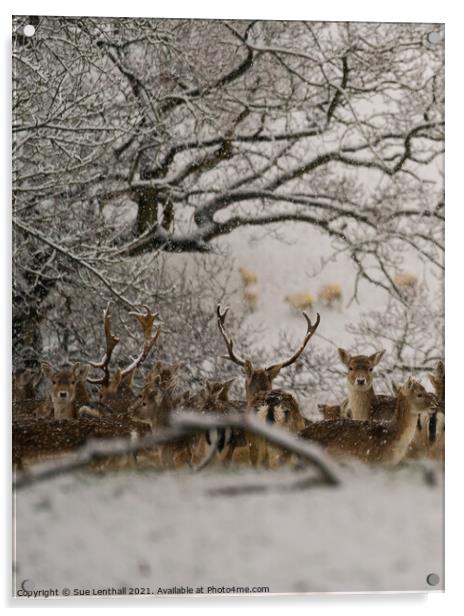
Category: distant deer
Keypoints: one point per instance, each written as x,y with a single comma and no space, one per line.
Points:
405,280
371,441
331,295
300,301
68,391
275,406
362,400
250,288
248,277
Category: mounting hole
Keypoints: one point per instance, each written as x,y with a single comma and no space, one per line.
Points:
433,579
433,37
29,30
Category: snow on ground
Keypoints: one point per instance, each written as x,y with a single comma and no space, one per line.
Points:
381,531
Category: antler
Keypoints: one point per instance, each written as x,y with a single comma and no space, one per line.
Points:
229,343
309,333
146,320
111,342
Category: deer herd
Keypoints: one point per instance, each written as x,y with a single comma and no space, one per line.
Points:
374,428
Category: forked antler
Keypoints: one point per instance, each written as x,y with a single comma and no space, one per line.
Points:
228,340
111,342
146,320
309,333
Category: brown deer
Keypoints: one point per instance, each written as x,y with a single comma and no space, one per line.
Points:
429,440
68,391
24,395
272,405
154,407
38,439
371,441
116,394
230,443
362,401
405,280
330,295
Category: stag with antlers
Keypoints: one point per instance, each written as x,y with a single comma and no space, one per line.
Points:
116,392
272,405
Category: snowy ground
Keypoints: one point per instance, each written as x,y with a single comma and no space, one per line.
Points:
381,531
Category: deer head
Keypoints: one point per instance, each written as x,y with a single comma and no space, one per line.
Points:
24,384
416,396
360,369
65,385
258,380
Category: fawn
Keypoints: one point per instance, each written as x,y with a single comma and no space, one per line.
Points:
371,441
68,391
362,401
271,405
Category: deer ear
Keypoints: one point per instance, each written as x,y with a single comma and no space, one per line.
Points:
440,368
376,357
81,371
127,378
273,371
344,356
248,367
410,382
47,370
396,387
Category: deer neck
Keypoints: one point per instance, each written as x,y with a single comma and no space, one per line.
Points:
403,429
63,409
82,393
360,402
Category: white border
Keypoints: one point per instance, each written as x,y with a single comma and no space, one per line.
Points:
393,10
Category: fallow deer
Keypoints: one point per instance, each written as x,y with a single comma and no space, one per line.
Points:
272,405
429,440
116,393
68,391
362,401
248,277
330,295
38,439
405,280
371,441
24,395
300,301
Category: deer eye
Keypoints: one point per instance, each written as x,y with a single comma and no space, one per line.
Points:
419,395
73,382
54,381
351,369
370,369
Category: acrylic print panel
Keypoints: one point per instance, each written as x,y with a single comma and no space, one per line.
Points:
227,307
